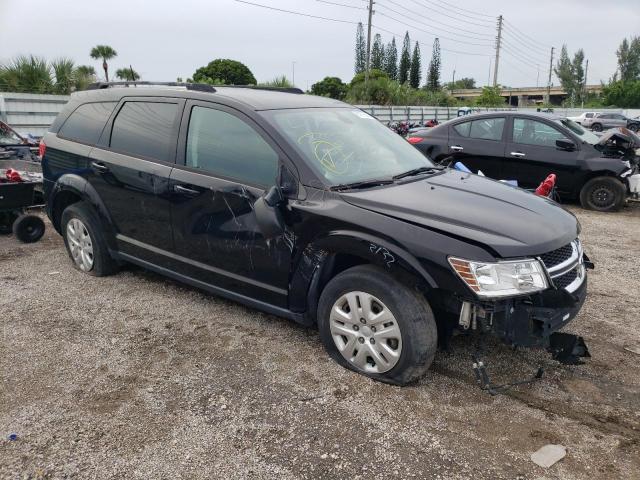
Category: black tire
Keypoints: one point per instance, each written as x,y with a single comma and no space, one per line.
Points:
634,127
604,194
28,228
596,127
411,310
6,222
103,263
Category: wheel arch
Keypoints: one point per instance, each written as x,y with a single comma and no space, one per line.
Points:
324,258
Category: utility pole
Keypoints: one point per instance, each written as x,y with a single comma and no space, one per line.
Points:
366,74
498,45
549,81
489,74
453,80
538,76
293,73
584,92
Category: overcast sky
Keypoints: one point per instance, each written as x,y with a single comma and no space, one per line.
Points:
165,39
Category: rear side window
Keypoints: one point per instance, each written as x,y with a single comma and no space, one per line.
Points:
589,115
145,129
224,145
483,129
86,122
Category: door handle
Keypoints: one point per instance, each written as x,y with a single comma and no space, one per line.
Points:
100,166
185,190
518,154
456,148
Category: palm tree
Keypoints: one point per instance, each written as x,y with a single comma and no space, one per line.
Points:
64,71
104,52
26,74
128,74
84,75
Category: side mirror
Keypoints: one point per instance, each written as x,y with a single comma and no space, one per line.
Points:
268,213
565,144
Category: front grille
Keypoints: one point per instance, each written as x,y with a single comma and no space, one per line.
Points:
565,280
558,256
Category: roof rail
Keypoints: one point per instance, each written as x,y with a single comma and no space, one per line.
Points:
201,87
295,90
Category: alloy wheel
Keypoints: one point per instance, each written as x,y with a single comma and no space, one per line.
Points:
80,244
365,332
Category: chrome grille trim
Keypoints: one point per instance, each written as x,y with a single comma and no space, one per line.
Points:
574,263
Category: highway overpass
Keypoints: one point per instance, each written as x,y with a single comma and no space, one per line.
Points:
524,96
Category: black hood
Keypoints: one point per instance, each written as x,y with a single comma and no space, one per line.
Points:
508,220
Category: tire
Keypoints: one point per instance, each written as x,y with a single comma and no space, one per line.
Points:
6,222
604,194
634,127
28,228
82,233
596,127
406,348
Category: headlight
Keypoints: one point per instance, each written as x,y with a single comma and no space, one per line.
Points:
501,279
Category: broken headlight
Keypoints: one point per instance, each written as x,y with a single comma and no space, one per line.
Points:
501,279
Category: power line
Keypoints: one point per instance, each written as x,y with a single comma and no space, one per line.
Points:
538,57
425,44
525,37
341,5
296,13
431,34
490,22
464,9
442,23
529,46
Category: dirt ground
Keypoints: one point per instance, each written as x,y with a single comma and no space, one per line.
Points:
135,376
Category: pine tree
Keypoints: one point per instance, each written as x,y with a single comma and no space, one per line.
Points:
361,50
433,73
629,59
377,53
391,60
405,60
415,73
578,75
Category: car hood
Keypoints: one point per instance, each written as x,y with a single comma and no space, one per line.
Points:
510,221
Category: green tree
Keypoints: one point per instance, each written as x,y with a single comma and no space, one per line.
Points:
377,53
571,74
433,72
361,50
64,72
280,82
578,76
405,60
104,52
624,94
30,74
229,72
84,76
461,84
391,59
331,87
490,97
127,74
415,72
628,54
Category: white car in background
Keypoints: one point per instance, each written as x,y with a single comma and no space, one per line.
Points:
585,119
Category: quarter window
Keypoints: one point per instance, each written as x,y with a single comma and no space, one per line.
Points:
87,121
532,132
224,145
145,129
482,129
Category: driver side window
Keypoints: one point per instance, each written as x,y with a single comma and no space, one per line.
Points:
532,132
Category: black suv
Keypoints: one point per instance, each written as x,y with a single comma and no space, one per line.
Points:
529,146
310,209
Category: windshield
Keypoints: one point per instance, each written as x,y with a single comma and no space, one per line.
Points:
585,135
347,145
7,136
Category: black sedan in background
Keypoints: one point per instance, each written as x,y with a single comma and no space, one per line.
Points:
527,147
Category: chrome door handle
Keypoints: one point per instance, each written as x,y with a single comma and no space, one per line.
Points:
100,166
518,154
184,190
456,148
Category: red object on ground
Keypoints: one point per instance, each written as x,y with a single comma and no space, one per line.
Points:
545,188
13,176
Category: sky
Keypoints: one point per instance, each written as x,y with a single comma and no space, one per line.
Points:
165,39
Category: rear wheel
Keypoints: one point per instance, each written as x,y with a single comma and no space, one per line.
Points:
596,127
375,325
28,228
603,194
85,241
634,127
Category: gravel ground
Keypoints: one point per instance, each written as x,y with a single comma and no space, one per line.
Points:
139,377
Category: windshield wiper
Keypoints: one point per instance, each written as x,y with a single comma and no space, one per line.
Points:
363,184
417,171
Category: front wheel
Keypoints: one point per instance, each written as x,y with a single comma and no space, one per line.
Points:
634,127
373,324
603,194
28,228
596,127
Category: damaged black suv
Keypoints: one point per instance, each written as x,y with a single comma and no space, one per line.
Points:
310,209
